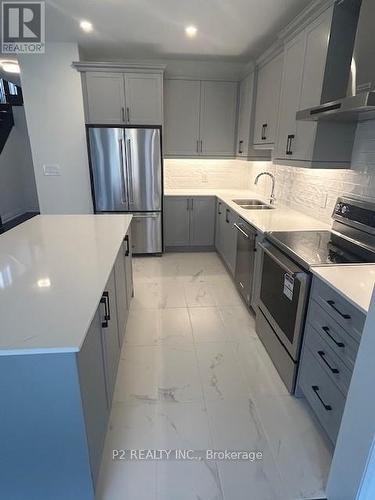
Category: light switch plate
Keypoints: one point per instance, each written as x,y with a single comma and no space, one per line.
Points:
53,170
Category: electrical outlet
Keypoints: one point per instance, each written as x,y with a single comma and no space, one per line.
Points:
51,170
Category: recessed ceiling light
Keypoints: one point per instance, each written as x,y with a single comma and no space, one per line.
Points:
10,66
191,31
86,26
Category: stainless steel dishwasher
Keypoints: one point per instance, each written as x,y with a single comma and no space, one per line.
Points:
246,248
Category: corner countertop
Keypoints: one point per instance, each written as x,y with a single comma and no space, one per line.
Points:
53,270
282,218
354,283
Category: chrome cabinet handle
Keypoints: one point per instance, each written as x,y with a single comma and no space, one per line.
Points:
322,354
240,147
187,204
201,146
107,313
332,303
327,331
123,114
315,388
197,146
241,230
218,208
227,216
128,114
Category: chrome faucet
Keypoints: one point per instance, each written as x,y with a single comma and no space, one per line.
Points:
272,197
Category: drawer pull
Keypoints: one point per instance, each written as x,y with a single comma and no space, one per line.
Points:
332,304
315,388
322,354
327,330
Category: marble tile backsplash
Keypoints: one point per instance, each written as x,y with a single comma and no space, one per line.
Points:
313,192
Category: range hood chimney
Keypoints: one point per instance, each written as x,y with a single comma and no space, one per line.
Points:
348,91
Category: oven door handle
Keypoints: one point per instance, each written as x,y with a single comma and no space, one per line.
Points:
277,259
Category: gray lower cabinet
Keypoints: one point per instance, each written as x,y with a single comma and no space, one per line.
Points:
60,405
189,222
124,286
226,235
331,341
111,345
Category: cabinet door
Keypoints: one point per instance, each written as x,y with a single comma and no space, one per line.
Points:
144,103
110,336
105,98
90,363
121,293
129,268
176,221
267,102
290,97
244,115
230,240
218,223
202,221
218,118
181,113
317,38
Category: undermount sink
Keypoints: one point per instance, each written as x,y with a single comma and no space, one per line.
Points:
253,204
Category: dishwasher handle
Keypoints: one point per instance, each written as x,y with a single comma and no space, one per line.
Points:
241,230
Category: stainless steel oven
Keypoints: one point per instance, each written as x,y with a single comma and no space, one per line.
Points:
284,294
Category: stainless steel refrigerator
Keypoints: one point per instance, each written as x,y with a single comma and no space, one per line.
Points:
126,175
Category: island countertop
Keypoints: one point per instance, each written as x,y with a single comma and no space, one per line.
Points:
53,270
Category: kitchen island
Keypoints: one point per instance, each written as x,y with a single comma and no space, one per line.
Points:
65,288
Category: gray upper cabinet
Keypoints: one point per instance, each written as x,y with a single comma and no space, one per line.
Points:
189,221
245,122
289,101
181,112
122,96
309,144
218,118
105,98
143,96
267,102
200,118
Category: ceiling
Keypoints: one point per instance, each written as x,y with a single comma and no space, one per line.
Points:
236,30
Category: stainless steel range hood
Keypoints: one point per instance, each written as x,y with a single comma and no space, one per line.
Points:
348,92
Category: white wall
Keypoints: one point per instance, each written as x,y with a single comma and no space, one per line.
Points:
55,118
17,181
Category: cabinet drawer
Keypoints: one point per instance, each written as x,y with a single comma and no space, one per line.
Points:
348,316
328,360
336,337
326,400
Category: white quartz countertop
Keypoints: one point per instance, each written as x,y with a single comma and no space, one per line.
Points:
282,218
355,283
53,270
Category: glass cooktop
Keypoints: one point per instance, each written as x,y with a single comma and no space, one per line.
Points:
317,248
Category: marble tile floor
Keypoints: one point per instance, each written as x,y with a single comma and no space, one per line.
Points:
194,375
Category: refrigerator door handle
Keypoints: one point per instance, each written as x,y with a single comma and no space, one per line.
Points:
130,170
122,171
